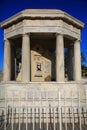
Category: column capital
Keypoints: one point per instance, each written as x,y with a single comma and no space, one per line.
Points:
26,34
6,39
7,42
57,34
77,40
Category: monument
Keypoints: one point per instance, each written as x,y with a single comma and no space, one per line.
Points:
53,30
34,70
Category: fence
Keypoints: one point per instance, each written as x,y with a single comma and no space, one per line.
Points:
43,111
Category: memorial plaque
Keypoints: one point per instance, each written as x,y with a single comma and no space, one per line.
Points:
38,70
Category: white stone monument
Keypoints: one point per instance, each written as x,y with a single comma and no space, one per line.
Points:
41,35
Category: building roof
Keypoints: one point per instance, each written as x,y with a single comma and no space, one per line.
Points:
42,14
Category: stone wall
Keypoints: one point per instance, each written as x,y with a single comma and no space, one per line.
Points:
71,90
44,95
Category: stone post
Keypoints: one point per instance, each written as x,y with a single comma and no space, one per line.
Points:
59,58
7,61
77,61
26,58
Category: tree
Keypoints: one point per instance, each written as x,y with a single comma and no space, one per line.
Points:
83,66
18,58
83,60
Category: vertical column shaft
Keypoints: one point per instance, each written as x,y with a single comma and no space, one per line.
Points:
59,58
26,58
70,62
77,61
13,53
7,61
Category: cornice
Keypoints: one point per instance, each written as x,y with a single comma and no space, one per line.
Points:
42,14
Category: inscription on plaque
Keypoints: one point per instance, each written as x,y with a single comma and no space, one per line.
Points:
38,66
38,70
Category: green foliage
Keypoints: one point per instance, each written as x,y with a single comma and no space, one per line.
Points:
83,60
18,55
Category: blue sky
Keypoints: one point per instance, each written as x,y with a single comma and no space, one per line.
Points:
76,8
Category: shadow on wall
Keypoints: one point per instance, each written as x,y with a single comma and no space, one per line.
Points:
48,78
1,76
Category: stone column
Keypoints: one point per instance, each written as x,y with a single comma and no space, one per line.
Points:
7,61
70,62
26,58
13,54
59,58
77,61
